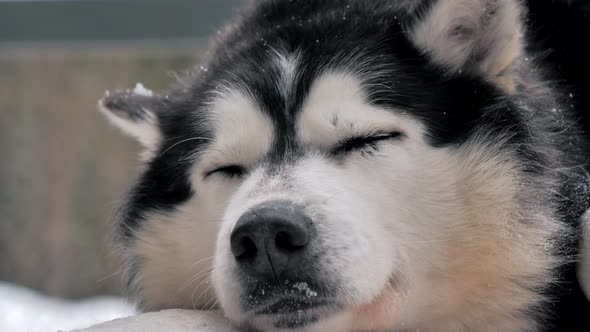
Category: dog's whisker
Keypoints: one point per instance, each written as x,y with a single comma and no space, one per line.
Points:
202,260
206,305
331,196
209,282
103,279
184,141
204,291
196,277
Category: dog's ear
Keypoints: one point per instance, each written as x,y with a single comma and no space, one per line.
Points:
482,37
135,112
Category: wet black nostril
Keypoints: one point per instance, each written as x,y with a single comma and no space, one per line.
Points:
243,247
271,239
291,240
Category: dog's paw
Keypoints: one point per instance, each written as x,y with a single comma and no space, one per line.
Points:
168,320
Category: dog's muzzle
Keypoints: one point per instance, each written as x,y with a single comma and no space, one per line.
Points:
275,246
271,241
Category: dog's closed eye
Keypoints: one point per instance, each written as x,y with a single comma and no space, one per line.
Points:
362,142
229,171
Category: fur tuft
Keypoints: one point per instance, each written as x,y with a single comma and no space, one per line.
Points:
482,37
134,113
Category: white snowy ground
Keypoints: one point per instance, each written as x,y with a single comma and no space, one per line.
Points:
24,310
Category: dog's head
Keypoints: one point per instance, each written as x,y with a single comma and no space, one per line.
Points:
356,169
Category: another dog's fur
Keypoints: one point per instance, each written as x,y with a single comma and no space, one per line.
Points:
439,147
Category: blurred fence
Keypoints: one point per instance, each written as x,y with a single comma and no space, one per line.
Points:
63,169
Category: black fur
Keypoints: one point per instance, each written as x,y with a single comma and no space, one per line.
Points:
555,33
369,36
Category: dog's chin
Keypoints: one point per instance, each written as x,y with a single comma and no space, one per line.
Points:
304,306
305,319
282,309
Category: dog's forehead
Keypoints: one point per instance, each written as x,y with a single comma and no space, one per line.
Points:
240,127
335,107
338,107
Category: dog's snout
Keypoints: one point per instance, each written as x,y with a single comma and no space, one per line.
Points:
271,239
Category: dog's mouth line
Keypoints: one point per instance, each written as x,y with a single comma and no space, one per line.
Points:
294,306
294,313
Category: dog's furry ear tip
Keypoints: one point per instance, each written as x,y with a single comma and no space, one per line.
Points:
134,112
483,37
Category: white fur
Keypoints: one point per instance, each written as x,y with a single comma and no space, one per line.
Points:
242,131
167,320
188,235
177,251
287,65
461,35
416,235
405,229
337,108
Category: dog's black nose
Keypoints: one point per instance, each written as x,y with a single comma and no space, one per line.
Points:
271,240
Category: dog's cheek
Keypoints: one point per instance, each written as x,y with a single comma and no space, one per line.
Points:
224,278
175,250
352,238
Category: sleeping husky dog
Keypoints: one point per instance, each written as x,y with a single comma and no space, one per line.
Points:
369,165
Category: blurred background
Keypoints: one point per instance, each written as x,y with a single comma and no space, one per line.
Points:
63,168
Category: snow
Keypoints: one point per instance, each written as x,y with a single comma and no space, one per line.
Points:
142,90
24,310
303,287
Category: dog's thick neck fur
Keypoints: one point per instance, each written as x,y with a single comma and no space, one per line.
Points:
499,137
